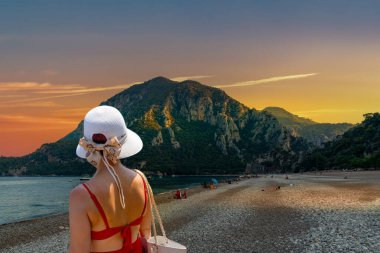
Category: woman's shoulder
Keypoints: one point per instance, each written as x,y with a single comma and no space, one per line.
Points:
136,176
78,194
134,173
78,190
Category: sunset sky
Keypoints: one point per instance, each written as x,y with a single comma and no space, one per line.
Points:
317,59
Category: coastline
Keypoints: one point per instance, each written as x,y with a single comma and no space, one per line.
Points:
162,196
63,186
175,175
328,213
30,229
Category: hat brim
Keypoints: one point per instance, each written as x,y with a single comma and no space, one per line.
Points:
131,146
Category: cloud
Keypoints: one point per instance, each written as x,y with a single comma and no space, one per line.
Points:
22,86
107,88
12,96
22,119
31,104
60,119
48,88
327,110
41,98
266,80
22,130
184,78
86,90
77,90
72,112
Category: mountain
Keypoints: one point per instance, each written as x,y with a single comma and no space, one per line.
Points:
316,133
359,147
186,128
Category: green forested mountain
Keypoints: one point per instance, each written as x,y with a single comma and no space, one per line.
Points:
187,128
359,147
316,133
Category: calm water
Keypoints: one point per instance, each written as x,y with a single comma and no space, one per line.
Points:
23,198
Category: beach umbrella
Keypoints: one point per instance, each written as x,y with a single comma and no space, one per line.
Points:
215,182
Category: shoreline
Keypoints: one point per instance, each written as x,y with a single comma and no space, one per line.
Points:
159,197
163,197
33,229
310,172
309,213
175,175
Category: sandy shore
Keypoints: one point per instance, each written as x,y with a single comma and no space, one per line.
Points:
309,213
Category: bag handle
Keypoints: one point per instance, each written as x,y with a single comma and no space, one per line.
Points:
155,209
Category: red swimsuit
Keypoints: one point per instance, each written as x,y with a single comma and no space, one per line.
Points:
126,233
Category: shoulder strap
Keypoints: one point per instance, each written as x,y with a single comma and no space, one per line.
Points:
97,204
154,209
145,192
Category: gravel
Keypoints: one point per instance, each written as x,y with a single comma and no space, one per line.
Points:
306,213
343,231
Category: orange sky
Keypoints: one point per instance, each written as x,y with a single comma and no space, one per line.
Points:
35,113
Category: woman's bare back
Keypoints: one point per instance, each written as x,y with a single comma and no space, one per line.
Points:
104,188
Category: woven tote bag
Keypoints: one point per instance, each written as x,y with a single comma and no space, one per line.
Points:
159,243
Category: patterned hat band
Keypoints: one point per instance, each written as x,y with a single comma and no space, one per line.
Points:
111,151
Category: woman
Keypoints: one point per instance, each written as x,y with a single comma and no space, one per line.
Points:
111,212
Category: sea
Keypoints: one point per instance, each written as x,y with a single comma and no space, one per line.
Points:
24,198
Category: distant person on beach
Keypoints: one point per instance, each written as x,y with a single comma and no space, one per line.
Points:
177,194
110,212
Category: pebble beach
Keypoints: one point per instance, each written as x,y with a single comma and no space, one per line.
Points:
315,212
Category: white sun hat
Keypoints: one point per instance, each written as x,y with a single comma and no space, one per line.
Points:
104,129
108,121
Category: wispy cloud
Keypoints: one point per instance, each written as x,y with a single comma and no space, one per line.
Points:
17,86
39,129
61,91
34,120
68,90
72,112
48,104
184,78
86,90
266,80
41,98
34,88
60,119
12,96
78,90
327,110
107,88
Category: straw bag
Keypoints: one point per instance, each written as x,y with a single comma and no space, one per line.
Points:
157,243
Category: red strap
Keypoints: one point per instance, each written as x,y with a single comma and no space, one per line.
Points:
125,230
145,196
98,206
104,234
